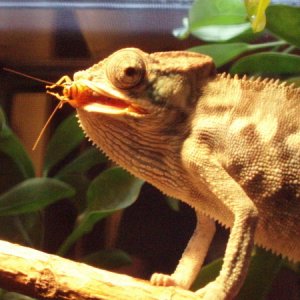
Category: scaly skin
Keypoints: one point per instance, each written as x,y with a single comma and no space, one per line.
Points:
228,147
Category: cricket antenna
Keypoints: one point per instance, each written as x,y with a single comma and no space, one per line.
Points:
28,76
58,106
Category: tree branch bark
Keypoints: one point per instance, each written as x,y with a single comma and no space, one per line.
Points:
47,276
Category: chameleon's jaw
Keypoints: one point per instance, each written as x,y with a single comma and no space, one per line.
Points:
112,106
106,100
105,105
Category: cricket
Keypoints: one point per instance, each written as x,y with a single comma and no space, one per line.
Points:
73,92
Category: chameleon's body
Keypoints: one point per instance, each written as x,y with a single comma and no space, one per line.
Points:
228,147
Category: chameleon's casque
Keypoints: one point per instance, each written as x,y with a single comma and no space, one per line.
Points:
229,147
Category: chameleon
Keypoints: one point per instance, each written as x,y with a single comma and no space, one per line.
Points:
228,146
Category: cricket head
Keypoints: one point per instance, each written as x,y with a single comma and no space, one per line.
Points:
132,84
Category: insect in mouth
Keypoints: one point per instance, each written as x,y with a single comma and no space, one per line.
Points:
71,92
83,93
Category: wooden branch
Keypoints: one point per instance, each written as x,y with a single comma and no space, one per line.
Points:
46,276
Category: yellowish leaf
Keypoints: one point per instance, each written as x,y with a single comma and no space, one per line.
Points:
256,12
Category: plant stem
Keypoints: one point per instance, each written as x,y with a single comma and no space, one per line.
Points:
289,49
20,227
267,45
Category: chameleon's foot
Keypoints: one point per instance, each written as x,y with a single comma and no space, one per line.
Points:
213,291
162,280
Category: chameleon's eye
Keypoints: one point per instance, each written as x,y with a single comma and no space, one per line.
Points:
126,69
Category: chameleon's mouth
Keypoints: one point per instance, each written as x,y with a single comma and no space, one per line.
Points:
106,105
113,106
100,98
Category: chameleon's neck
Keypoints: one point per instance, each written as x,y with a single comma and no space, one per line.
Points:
149,154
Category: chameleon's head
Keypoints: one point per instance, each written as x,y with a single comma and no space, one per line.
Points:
133,84
138,103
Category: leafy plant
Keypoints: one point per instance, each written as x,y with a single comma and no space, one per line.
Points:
249,39
226,26
24,197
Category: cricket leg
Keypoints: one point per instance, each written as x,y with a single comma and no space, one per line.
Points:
61,81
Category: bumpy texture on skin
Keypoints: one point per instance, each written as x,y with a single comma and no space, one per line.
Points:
229,147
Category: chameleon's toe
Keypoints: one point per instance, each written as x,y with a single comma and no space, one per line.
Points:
162,280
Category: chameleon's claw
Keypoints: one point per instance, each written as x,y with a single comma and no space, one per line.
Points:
212,291
159,279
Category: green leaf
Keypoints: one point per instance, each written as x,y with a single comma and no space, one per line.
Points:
12,147
222,53
256,13
225,52
220,33
25,229
218,20
85,224
66,138
207,274
80,182
32,195
83,162
15,296
108,259
10,173
215,12
284,21
173,203
112,190
182,32
268,64
257,286
295,80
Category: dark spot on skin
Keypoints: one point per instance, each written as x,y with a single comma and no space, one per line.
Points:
285,195
282,202
255,186
173,126
208,138
235,170
249,133
217,109
290,127
285,157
